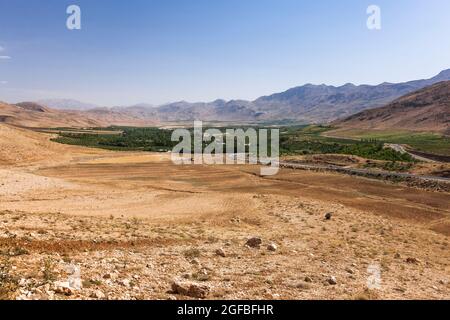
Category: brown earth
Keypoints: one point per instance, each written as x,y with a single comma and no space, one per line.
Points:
33,115
132,223
425,110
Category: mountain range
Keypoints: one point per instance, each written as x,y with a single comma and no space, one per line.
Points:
427,109
309,104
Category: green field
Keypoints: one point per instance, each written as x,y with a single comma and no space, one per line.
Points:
421,141
295,140
310,140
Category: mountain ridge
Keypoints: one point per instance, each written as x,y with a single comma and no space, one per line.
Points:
304,104
427,109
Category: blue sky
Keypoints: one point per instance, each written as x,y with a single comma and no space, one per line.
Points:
158,51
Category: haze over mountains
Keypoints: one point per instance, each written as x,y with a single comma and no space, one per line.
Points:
31,114
425,110
309,104
304,104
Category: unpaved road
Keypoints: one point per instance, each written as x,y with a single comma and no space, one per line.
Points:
402,149
362,172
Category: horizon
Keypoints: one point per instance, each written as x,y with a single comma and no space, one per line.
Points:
150,105
164,52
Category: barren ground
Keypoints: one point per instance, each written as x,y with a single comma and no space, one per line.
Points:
132,223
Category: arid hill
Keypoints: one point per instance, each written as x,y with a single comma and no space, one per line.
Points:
425,110
19,146
31,114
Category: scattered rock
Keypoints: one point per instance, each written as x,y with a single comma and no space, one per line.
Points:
397,256
125,282
254,242
332,280
303,285
412,260
201,275
63,287
235,220
328,216
308,279
191,289
22,282
220,252
349,270
97,294
272,247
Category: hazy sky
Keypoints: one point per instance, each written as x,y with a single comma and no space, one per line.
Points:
158,51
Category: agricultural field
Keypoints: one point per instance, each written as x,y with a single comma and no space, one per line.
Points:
421,141
296,140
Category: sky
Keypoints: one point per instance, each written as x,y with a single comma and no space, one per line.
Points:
159,51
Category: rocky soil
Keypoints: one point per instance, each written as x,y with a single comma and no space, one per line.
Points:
290,249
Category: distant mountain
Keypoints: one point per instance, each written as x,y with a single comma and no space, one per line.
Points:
32,114
32,106
305,104
427,109
309,103
321,103
67,104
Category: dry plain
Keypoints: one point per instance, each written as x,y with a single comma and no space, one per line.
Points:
79,223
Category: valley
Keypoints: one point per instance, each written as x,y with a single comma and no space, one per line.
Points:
136,226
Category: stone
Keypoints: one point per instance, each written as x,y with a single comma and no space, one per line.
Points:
97,294
328,216
303,285
308,279
412,260
272,247
332,280
220,252
349,270
125,282
254,242
63,287
190,289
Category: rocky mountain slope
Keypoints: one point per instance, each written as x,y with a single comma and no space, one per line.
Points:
427,109
31,114
308,103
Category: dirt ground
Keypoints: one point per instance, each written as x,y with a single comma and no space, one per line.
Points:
115,225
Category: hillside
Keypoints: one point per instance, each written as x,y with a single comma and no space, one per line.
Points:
427,109
20,146
31,114
309,103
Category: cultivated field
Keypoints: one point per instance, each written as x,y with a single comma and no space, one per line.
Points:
94,224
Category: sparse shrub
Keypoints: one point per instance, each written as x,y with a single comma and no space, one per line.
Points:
192,253
8,283
49,270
